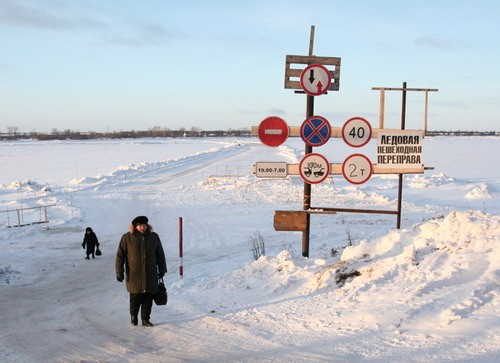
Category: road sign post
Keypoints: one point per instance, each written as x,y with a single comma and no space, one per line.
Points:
310,75
306,201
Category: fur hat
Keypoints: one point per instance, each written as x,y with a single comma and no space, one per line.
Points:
139,220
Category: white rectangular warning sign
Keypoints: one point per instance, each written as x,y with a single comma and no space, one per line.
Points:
271,170
400,149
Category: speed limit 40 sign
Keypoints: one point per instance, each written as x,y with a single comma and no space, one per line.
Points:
356,132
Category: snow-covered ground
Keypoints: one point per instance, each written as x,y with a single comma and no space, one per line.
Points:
367,293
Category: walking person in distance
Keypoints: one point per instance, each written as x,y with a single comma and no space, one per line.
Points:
90,241
140,260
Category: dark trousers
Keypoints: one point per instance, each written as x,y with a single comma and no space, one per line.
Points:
90,251
142,301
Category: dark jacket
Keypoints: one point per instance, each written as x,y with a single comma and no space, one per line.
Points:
141,258
90,240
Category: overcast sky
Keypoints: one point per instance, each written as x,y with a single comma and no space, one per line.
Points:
110,65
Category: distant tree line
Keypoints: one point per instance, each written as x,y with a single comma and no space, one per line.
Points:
14,134
463,133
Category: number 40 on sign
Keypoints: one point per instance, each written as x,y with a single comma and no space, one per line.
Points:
356,132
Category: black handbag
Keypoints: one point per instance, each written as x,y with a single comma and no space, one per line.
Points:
98,252
161,298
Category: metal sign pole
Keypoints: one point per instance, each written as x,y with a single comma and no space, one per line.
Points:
404,89
400,179
307,189
308,150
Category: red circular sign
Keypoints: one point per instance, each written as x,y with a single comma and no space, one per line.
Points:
315,79
314,168
356,132
273,131
357,169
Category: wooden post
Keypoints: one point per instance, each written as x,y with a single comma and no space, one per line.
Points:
382,101
404,89
425,111
307,188
308,149
311,41
400,179
181,265
382,109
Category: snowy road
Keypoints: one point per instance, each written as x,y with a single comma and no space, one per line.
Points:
77,311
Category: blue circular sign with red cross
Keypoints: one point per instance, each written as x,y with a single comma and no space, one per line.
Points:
315,131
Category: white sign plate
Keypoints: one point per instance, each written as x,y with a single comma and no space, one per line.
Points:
271,170
400,149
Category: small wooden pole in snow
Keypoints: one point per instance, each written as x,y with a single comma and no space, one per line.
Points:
181,267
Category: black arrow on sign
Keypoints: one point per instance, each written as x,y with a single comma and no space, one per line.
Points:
311,76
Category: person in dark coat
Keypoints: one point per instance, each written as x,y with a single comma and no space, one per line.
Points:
140,260
90,240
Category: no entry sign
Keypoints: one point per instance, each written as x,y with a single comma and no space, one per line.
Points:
315,79
314,168
273,131
315,131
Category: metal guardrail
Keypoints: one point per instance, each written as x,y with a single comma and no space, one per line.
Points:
21,216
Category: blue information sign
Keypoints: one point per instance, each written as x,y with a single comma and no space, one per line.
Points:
315,131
